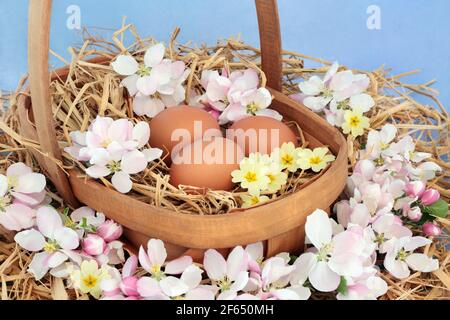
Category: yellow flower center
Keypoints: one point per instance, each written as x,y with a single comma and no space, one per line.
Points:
315,160
251,177
106,143
384,146
271,178
144,71
252,108
69,223
114,166
90,281
287,160
4,202
50,247
12,181
355,121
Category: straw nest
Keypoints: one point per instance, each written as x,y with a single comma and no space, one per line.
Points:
93,88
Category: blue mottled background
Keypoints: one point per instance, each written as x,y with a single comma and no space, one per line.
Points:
414,34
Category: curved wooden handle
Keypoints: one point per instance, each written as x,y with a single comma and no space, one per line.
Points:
39,75
38,46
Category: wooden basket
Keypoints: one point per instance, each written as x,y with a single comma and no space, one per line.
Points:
280,224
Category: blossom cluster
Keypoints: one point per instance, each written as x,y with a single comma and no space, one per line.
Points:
388,198
340,97
230,97
55,238
155,84
114,148
263,175
85,248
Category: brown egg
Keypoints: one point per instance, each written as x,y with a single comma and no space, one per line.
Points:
261,134
176,127
206,164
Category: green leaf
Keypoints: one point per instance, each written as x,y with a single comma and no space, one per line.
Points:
343,289
438,209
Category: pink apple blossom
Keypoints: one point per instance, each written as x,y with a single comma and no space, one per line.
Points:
401,257
415,189
229,276
110,231
156,84
431,230
154,260
93,245
21,192
429,197
52,242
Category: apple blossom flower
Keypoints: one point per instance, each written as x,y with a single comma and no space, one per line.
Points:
332,257
429,197
154,260
335,88
116,137
405,148
89,278
388,227
110,231
431,230
93,245
187,287
355,122
217,87
273,282
369,288
120,286
414,214
255,255
316,159
52,242
400,257
425,171
379,141
121,168
21,191
415,189
156,84
253,103
229,276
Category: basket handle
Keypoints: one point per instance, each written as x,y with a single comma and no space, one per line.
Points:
39,76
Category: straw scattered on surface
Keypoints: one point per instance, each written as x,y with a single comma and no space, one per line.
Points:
92,88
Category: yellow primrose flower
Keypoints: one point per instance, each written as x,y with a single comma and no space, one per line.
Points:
250,201
89,278
316,160
286,156
252,176
277,177
355,122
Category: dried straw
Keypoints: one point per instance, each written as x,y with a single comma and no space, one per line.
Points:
92,89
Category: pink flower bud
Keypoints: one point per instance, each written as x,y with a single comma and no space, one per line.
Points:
129,286
94,245
415,189
431,230
415,214
429,197
110,231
